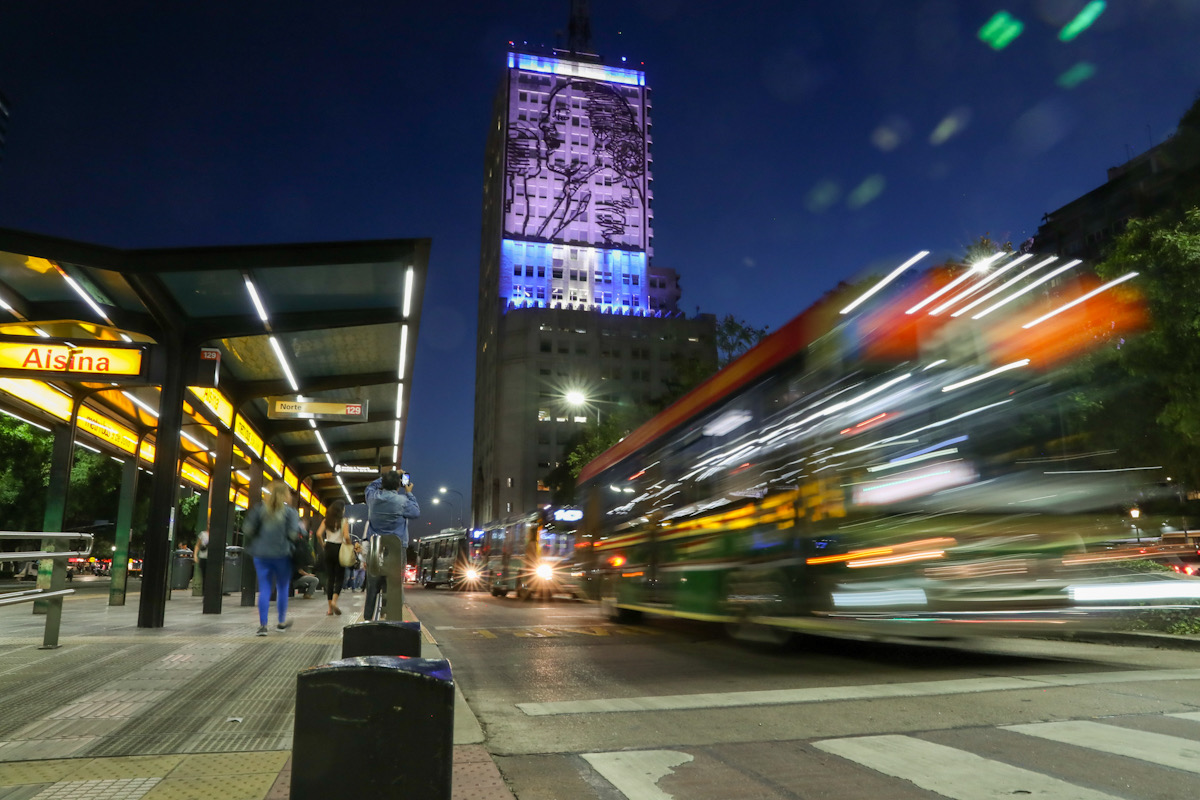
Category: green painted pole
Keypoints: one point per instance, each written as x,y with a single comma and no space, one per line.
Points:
120,560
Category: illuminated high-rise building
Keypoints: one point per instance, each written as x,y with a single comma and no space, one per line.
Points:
568,298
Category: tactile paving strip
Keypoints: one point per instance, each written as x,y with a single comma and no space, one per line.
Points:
119,789
218,787
246,701
41,685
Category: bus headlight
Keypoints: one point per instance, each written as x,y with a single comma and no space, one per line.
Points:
472,575
544,571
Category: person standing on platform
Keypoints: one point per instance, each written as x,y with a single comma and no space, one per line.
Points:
270,528
390,505
333,531
200,554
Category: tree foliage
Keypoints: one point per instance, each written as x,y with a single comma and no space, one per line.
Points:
1154,408
734,337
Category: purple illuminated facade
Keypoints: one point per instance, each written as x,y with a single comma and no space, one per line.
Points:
568,298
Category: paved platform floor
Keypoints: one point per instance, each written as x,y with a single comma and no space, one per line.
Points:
201,708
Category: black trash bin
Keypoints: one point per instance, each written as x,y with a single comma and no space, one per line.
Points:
231,578
181,569
382,637
399,715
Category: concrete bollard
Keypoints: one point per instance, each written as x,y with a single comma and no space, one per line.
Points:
376,727
382,638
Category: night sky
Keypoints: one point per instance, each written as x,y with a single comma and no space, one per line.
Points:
795,143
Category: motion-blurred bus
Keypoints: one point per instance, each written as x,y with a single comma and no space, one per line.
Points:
534,555
451,558
905,463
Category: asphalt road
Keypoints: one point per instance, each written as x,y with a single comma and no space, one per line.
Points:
574,706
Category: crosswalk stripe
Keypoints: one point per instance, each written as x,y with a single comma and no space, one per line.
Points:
823,694
1155,748
1194,716
952,773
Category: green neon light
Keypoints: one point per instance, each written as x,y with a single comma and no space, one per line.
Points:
1076,75
1083,20
999,31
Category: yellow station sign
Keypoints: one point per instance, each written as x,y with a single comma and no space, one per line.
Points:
92,361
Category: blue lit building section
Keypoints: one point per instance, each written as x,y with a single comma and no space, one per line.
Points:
576,69
548,275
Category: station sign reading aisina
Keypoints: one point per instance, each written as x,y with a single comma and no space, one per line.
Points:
20,356
355,468
293,408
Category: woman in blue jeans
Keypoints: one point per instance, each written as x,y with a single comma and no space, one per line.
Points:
270,528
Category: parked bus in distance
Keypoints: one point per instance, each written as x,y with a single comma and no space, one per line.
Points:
450,558
887,466
534,554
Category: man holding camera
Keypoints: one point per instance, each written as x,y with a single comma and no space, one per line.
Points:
390,505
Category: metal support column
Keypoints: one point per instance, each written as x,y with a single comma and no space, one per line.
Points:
164,489
120,559
220,516
61,459
255,493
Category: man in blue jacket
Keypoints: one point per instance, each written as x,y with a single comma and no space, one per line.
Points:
390,505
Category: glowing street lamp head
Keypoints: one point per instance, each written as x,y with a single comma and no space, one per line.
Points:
576,397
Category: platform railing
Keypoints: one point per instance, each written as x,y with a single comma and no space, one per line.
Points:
58,576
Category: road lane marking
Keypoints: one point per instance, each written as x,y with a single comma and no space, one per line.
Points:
1154,748
950,772
822,694
636,774
1194,716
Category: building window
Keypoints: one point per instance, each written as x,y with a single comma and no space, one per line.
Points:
546,346
543,414
508,508
557,273
517,270
509,481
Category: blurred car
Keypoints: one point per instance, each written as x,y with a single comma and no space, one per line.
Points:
410,573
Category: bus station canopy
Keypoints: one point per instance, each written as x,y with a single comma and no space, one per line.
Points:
333,324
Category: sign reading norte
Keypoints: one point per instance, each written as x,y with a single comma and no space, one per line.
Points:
64,358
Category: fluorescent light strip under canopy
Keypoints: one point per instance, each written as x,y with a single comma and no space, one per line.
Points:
253,291
287,370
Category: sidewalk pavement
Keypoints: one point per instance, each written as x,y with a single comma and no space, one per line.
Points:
201,709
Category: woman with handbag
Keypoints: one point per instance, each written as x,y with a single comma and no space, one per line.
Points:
334,536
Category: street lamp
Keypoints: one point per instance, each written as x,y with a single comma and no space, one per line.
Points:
1134,513
453,510
578,399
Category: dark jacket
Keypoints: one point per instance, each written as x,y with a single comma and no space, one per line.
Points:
268,535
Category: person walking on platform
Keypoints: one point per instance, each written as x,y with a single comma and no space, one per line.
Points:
270,528
390,505
333,531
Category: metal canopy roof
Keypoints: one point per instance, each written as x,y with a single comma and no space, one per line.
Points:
337,311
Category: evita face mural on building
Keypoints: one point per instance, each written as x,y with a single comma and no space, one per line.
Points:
576,165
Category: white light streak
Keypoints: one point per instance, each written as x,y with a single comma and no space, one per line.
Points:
948,287
258,306
988,374
40,332
287,370
126,338
408,291
1079,300
396,455
5,305
1003,286
1097,471
321,441
329,458
1159,590
1028,288
964,295
934,364
312,423
396,435
891,276
399,399
87,298
914,459
87,447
